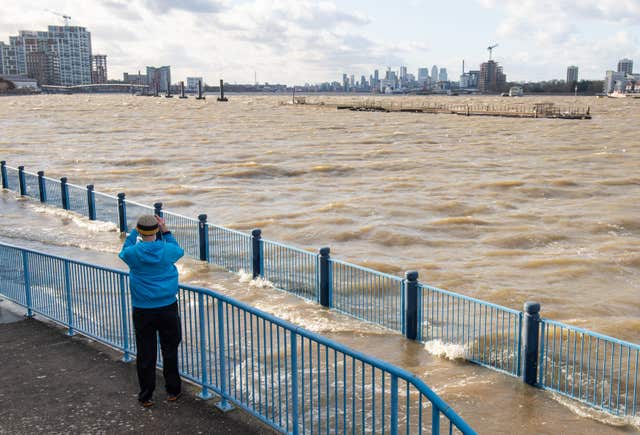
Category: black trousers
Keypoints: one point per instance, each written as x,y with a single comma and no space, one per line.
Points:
148,324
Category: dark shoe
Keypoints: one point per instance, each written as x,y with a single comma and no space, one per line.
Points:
173,397
147,403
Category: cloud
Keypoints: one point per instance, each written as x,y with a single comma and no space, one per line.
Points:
545,34
195,6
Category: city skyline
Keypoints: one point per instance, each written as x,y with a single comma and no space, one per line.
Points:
294,42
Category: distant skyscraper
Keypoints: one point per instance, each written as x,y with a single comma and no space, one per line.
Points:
423,75
625,66
345,83
160,76
403,74
442,75
572,74
99,68
492,79
434,73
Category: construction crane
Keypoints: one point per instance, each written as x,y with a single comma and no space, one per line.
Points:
490,48
66,17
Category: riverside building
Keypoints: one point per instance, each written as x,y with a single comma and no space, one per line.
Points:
59,56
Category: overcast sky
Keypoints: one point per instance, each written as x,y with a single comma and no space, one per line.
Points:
297,41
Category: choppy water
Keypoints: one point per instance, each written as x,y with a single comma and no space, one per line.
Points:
506,210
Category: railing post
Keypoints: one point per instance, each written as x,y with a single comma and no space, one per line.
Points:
22,181
256,249
223,405
5,177
203,237
42,188
326,297
157,210
122,212
294,384
27,282
394,405
530,342
64,193
91,202
124,314
67,291
204,394
411,305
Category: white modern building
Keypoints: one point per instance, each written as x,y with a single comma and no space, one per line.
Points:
62,55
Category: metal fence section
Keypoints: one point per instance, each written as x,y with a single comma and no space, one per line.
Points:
53,191
12,178
592,368
78,199
291,269
185,231
488,334
368,294
31,185
230,249
106,208
294,380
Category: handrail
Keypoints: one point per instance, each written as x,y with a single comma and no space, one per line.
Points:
89,302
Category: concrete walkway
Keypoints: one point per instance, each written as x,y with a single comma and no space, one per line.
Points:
52,383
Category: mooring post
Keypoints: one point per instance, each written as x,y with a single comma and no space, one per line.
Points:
42,188
530,342
222,97
182,95
91,202
168,95
64,193
256,253
122,212
5,178
203,237
411,304
22,181
157,210
200,96
326,296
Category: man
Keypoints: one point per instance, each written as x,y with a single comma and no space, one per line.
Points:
154,284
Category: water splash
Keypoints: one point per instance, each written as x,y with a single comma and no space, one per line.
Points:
450,351
246,277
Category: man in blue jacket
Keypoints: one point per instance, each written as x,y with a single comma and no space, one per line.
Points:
154,284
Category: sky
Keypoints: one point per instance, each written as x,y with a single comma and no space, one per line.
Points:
299,41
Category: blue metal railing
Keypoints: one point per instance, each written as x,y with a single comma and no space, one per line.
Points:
368,294
598,370
290,378
488,334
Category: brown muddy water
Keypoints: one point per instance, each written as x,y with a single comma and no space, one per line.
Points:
505,210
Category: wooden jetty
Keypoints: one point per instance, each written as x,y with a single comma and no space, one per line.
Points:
536,110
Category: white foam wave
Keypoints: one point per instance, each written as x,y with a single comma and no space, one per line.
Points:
80,221
586,411
246,277
451,351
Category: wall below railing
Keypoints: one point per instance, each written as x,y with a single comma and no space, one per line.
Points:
288,377
497,337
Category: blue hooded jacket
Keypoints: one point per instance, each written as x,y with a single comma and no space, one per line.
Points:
153,278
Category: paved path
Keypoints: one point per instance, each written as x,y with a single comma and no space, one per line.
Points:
52,383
